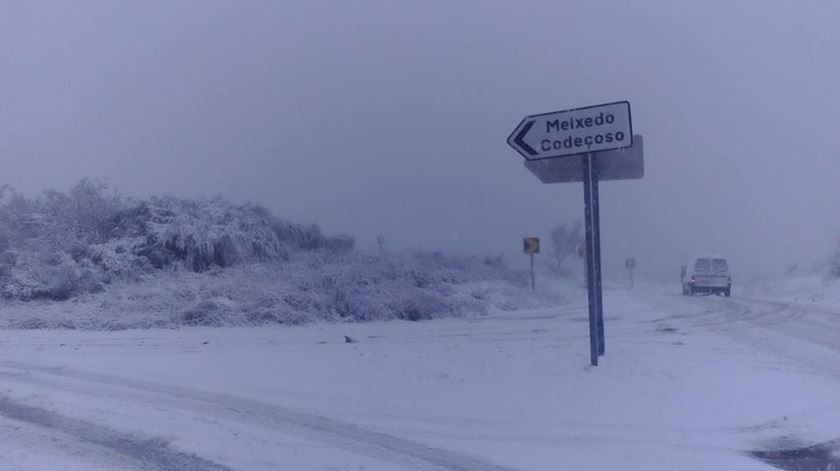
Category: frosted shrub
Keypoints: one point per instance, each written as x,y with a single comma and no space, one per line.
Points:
53,276
117,260
309,287
416,305
215,312
111,238
160,262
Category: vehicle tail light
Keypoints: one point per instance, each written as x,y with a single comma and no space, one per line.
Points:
693,280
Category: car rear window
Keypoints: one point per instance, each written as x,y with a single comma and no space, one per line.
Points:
719,265
703,265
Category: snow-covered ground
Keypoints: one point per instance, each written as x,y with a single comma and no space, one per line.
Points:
687,383
813,290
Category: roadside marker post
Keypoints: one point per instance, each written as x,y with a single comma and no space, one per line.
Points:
630,264
584,145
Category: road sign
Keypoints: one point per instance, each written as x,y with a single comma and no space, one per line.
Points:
531,245
621,164
602,137
573,132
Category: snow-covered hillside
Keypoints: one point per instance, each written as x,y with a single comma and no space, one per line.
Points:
94,260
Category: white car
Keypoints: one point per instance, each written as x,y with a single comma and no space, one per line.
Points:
707,275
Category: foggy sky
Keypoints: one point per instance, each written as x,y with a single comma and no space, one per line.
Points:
391,117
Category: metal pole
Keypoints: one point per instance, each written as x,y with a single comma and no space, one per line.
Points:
596,236
594,343
533,280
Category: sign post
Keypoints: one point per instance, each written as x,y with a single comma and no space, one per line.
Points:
531,245
584,145
596,252
592,270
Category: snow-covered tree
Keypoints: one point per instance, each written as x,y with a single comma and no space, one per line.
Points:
565,240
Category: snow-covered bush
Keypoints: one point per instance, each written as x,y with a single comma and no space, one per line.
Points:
106,237
53,275
311,286
163,262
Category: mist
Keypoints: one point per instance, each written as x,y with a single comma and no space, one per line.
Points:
390,118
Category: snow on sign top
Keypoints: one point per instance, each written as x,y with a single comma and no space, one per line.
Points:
572,132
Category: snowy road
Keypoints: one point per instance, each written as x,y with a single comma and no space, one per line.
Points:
688,383
806,334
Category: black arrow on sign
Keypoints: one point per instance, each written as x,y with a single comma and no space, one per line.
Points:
522,144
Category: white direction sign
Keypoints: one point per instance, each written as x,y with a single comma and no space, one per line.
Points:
572,132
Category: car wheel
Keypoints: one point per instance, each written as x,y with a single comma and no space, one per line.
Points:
727,291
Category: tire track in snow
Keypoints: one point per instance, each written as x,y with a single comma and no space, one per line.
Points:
726,314
806,337
150,454
780,328
813,324
341,434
